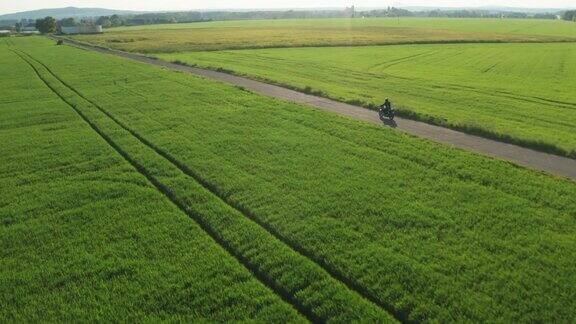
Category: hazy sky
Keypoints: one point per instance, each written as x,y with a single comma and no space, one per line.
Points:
8,6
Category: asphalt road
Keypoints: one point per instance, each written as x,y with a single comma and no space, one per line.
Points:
553,164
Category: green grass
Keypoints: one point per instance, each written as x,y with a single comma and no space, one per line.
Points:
426,232
519,93
298,280
328,32
85,237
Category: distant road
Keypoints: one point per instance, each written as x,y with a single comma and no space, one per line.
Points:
557,165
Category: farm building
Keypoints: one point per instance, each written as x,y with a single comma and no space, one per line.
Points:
29,29
81,29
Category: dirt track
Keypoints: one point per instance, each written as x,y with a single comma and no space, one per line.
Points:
550,163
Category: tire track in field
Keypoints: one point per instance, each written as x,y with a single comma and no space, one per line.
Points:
424,82
401,60
402,316
335,274
182,207
425,164
429,84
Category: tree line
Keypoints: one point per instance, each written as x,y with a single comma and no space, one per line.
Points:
570,15
51,25
47,25
194,16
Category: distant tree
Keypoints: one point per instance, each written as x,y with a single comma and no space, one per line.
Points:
570,15
18,27
46,25
39,24
116,21
545,16
104,21
67,22
389,12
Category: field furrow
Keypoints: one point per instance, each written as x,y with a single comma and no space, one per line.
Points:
266,256
240,209
345,219
84,236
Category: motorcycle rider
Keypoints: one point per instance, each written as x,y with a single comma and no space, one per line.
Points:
387,106
386,110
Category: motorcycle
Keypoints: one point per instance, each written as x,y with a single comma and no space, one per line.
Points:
383,112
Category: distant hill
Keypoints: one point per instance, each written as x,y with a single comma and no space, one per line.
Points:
486,8
68,12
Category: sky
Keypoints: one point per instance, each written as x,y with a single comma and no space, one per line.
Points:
9,6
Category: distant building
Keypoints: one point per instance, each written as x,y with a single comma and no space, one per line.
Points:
4,33
27,22
350,12
28,29
81,29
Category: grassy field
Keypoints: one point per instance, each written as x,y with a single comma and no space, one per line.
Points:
102,231
520,93
385,223
328,32
85,237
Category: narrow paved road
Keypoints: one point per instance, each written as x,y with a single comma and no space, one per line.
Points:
550,163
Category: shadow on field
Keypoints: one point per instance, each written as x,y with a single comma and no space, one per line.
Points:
389,123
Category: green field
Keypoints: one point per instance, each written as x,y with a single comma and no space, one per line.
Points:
502,26
95,223
520,93
328,32
131,192
84,236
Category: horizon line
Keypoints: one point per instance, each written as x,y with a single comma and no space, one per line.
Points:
294,8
